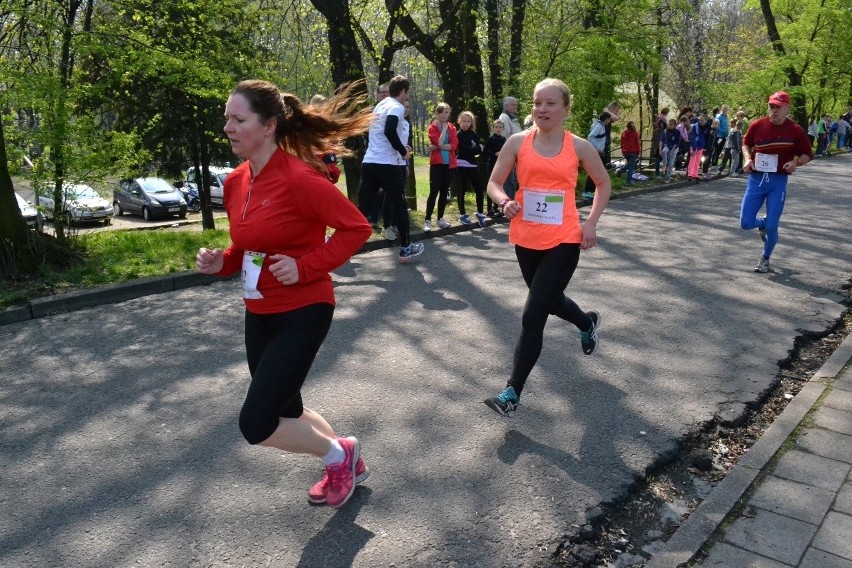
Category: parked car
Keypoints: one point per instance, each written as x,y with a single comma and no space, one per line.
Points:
32,216
217,182
150,197
80,203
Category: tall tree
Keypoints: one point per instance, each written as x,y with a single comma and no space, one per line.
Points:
452,46
346,66
16,256
165,69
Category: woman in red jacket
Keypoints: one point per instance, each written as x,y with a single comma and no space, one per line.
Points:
279,203
630,149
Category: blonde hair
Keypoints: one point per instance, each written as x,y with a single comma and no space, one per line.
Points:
550,82
441,107
470,115
310,130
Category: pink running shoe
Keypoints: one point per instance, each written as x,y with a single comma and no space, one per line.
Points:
317,493
341,476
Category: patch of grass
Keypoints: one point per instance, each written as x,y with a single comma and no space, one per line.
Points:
116,256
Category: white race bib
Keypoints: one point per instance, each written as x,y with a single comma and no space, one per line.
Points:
766,162
252,264
543,205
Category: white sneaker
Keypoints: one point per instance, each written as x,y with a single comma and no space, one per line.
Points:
389,234
443,224
427,225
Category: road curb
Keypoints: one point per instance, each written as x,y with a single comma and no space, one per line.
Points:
112,294
704,521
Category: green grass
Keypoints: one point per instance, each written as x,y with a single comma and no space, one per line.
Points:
110,257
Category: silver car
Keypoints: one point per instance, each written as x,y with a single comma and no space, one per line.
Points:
32,216
80,203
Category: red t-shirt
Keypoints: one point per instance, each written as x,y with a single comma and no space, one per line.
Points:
786,140
286,209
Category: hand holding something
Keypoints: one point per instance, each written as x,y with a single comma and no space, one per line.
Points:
209,261
285,269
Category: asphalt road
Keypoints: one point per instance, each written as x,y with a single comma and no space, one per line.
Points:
119,443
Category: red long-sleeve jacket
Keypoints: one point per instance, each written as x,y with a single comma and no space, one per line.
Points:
286,209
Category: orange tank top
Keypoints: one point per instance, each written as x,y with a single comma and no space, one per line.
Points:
546,186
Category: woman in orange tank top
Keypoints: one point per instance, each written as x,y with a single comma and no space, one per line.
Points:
545,226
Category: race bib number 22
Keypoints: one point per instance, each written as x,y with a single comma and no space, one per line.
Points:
543,205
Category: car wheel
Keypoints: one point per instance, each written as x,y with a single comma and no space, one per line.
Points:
107,222
182,214
146,213
116,209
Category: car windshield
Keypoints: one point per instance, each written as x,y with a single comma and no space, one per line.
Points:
80,192
222,178
156,185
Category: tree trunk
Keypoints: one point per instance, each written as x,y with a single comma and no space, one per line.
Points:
516,45
794,78
495,71
346,66
15,254
458,61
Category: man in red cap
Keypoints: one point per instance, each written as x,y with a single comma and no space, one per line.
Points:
773,147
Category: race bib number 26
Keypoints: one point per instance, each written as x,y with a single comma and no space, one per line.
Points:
543,205
766,162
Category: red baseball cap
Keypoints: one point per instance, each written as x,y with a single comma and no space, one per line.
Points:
780,98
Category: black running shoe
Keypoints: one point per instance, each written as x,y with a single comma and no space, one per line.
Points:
504,403
589,339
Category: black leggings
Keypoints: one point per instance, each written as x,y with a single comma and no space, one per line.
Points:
392,179
280,349
440,179
547,273
470,177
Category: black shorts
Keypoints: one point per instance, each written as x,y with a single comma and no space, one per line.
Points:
280,349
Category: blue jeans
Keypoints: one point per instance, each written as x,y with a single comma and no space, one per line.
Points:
769,188
631,166
669,157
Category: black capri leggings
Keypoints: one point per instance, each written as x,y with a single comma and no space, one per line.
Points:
280,349
547,273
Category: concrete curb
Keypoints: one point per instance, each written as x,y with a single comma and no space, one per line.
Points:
111,294
704,521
